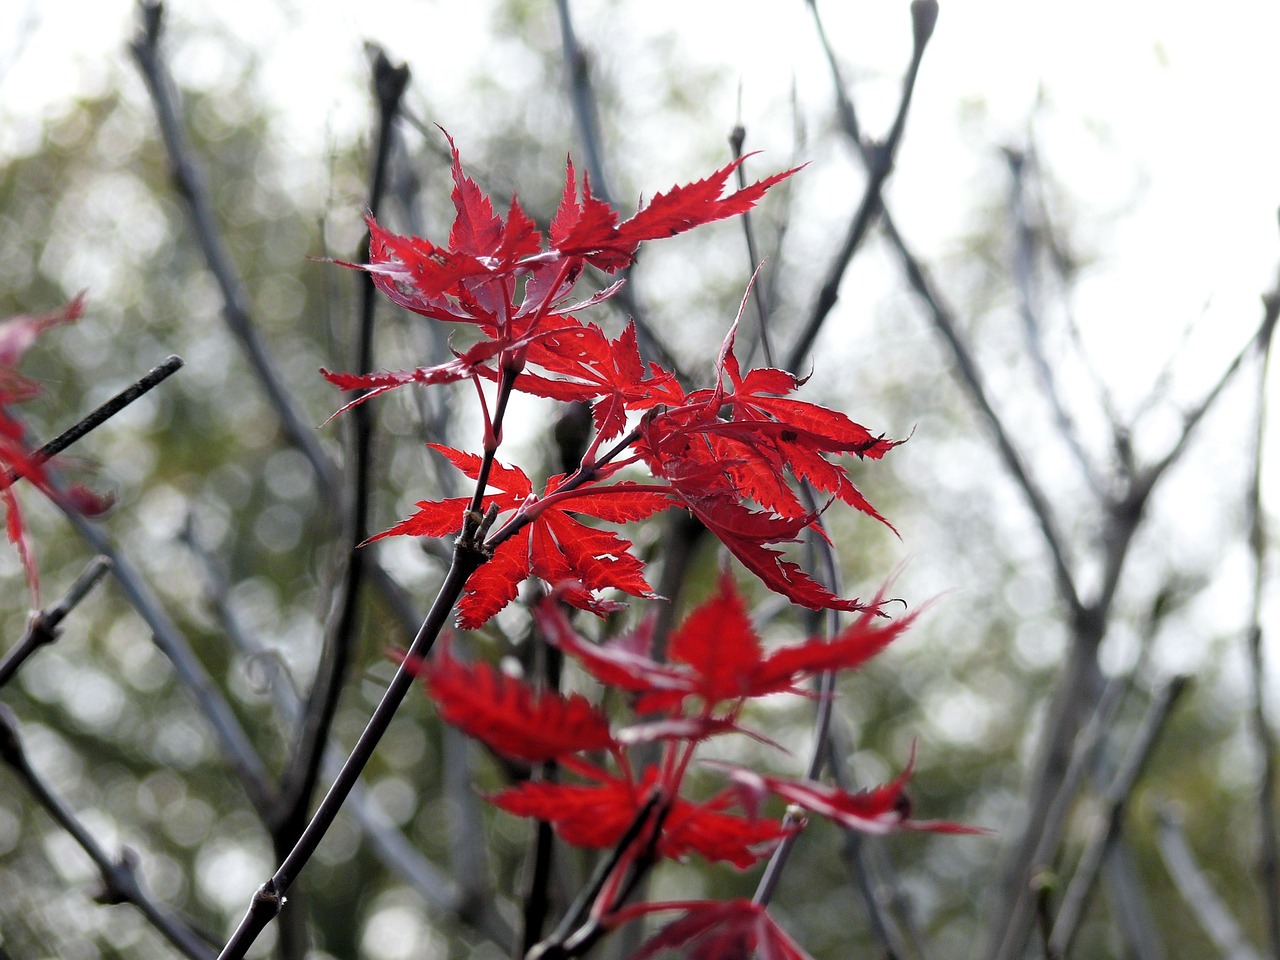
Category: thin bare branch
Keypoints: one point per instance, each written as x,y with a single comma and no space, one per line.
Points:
389,844
1025,279
1197,893
43,626
299,780
737,137
191,183
1067,922
1051,827
121,883
879,162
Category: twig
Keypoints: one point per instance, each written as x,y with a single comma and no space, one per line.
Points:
121,883
879,161
389,844
1083,880
1197,893
270,897
299,780
43,627
97,417
192,185
737,137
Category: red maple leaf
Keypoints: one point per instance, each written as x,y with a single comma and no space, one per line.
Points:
716,655
596,815
879,810
715,930
588,227
722,465
549,543
510,717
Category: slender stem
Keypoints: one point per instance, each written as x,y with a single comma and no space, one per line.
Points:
97,417
1269,831
299,780
737,138
270,897
1197,892
879,161
42,628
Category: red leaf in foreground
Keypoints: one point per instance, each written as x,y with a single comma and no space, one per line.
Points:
597,815
552,544
588,227
510,717
716,930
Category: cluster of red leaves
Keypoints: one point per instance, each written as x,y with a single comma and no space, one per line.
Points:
17,459
716,664
729,454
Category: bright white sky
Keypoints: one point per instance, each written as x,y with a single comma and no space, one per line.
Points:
1160,118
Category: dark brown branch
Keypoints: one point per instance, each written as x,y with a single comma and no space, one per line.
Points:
121,883
390,845
43,627
98,417
269,899
299,780
1085,877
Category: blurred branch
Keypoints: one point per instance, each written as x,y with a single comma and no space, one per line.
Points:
43,627
1269,838
1051,827
232,740
945,323
1029,307
1197,893
878,159
121,883
1067,922
97,417
191,183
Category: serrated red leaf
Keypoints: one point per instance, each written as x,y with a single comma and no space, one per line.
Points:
878,811
510,717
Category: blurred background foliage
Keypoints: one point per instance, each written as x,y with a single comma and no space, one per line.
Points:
204,480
